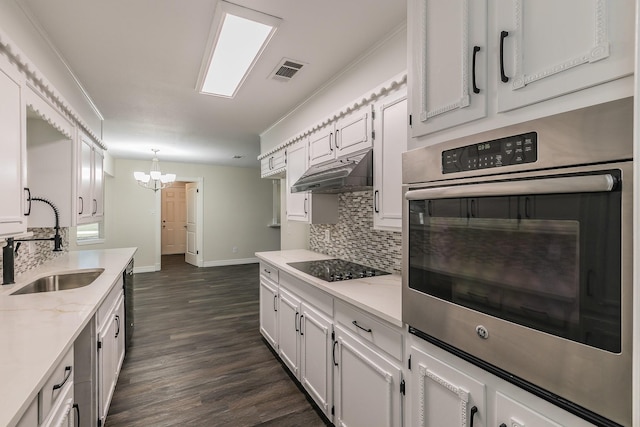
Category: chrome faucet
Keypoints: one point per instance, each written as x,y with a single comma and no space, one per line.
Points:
9,251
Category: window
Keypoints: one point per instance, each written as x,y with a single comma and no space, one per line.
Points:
89,233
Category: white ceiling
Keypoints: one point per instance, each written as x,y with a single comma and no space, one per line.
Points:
139,62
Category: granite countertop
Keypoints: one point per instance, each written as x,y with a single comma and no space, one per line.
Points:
36,330
380,295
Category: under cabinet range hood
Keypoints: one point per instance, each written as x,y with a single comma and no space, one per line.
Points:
342,175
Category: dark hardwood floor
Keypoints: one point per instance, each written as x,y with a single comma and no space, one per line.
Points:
197,356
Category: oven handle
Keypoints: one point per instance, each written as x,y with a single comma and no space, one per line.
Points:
567,184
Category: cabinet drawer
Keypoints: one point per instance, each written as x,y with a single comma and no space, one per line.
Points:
369,328
61,378
62,414
269,271
109,302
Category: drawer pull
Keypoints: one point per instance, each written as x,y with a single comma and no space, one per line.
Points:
355,323
118,325
474,410
333,353
267,271
77,408
67,374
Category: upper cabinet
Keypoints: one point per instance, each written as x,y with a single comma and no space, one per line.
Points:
448,68
466,63
90,199
14,206
389,142
548,48
348,135
274,165
305,206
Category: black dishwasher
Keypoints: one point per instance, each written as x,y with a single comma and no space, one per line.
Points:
128,304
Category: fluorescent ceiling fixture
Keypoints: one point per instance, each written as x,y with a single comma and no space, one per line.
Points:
237,39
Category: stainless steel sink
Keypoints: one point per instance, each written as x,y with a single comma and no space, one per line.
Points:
61,281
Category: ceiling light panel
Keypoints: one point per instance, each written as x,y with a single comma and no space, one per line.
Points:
237,39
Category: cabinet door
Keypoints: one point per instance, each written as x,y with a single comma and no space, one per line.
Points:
288,330
442,396
97,193
448,49
13,149
322,145
315,356
107,362
269,311
352,132
85,177
367,386
390,141
119,337
552,48
297,203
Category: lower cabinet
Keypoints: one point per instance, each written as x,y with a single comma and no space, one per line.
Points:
367,385
110,353
445,390
442,396
304,345
269,311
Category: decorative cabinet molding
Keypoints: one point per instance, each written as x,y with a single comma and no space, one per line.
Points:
544,55
38,82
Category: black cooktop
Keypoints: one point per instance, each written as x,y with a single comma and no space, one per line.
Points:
333,270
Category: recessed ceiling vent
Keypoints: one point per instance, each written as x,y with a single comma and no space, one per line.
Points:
286,69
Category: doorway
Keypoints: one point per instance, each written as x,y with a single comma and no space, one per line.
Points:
180,223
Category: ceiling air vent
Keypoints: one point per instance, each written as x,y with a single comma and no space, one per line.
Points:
286,69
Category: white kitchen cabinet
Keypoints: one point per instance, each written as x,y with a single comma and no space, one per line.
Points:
269,304
443,390
304,339
448,63
442,396
513,53
322,144
347,135
367,385
289,329
315,356
55,400
274,165
90,206
552,48
110,348
14,204
390,141
305,206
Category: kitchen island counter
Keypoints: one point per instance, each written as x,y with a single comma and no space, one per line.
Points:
38,329
380,295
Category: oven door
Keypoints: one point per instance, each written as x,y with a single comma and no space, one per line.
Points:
526,273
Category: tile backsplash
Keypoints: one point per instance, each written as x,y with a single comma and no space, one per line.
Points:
353,237
42,251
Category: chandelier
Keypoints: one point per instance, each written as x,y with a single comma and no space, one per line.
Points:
154,180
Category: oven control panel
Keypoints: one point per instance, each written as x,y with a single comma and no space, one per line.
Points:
512,150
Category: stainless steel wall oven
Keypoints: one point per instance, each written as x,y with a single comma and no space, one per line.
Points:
517,255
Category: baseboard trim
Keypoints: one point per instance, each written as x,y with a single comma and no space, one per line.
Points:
145,269
231,262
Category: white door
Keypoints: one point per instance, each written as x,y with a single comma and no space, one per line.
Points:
12,159
367,385
390,142
192,249
322,145
442,396
174,220
289,330
448,48
581,43
352,132
315,357
297,203
269,311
